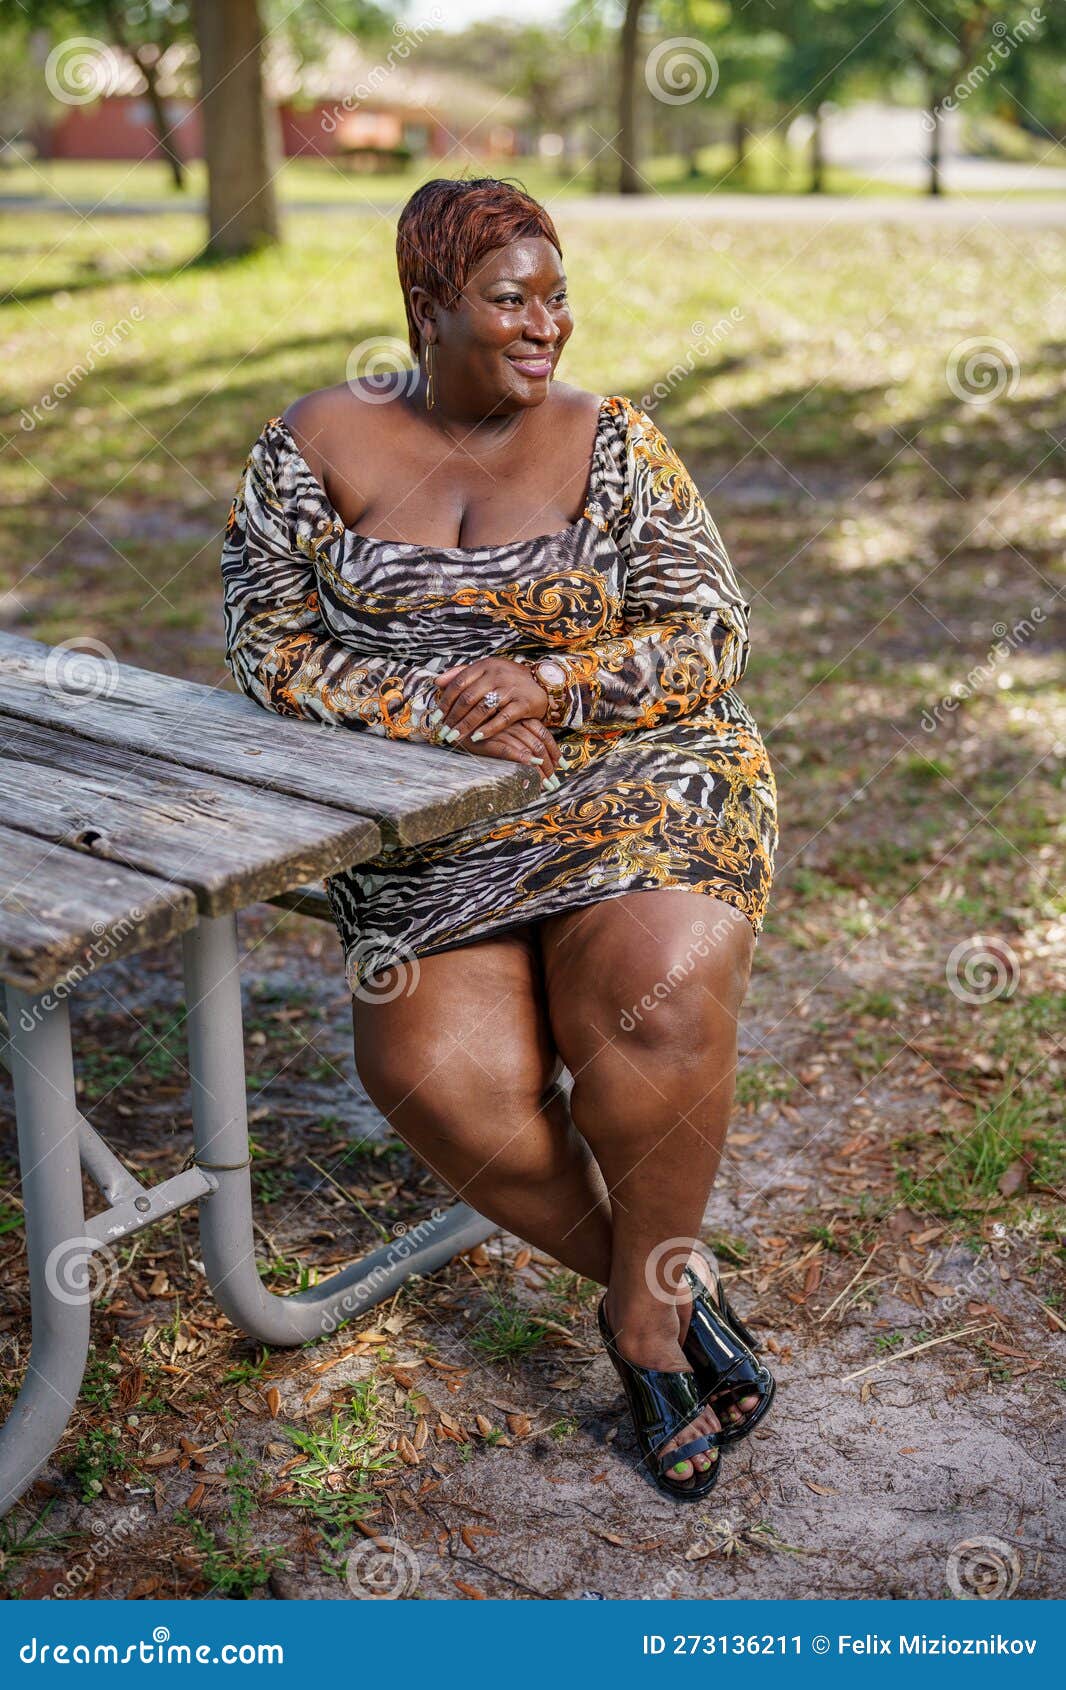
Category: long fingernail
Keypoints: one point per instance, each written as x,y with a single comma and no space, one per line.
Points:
434,717
449,734
476,736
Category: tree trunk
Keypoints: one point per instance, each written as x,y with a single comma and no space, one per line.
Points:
147,63
936,145
817,182
240,133
162,125
740,144
629,181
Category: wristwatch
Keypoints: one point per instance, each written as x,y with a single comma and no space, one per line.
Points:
556,683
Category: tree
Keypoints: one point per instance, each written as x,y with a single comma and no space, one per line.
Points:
240,132
629,178
959,46
143,33
826,44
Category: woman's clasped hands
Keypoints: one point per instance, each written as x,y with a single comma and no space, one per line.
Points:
494,708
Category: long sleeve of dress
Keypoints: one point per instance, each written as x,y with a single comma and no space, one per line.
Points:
684,638
278,647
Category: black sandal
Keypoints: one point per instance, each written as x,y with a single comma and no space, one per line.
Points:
661,1404
722,1353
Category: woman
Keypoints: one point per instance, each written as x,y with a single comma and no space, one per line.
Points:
478,556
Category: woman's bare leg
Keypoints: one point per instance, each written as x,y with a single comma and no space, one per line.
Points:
643,993
461,1065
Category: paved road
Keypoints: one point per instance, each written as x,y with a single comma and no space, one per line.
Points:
751,208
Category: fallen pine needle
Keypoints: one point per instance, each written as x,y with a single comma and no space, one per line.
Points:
916,1349
849,1285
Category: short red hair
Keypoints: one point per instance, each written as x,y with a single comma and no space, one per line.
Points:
448,226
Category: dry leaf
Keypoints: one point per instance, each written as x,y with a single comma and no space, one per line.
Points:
407,1453
484,1426
519,1424
273,1401
522,1260
1014,1179
196,1496
470,1590
820,1490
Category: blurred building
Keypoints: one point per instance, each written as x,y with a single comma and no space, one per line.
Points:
374,109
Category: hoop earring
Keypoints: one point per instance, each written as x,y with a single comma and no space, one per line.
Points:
431,398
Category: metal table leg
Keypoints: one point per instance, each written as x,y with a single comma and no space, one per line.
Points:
220,1134
42,1068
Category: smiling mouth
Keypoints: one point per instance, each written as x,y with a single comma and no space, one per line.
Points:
539,364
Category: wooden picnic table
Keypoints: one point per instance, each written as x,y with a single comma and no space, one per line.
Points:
136,809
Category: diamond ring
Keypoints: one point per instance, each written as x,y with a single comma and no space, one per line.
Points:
491,699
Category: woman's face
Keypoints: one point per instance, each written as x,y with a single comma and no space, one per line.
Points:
499,348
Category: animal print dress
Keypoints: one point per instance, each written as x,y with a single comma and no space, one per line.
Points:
665,780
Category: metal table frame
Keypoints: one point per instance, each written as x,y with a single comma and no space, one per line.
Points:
56,1143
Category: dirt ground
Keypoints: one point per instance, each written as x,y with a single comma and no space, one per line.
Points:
858,1485
885,1221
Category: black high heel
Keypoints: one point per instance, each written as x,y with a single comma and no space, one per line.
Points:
722,1353
661,1405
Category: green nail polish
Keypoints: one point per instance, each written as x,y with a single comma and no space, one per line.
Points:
434,717
451,734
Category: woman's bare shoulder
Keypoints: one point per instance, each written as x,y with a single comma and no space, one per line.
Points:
318,421
572,404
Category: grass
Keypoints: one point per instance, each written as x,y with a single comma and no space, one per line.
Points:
233,1562
332,1481
507,1332
883,527
967,1176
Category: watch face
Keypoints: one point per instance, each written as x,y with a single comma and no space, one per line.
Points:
551,672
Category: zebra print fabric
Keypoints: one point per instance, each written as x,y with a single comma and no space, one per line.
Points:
665,779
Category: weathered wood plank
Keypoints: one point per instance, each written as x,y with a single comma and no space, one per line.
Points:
230,844
63,914
413,792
